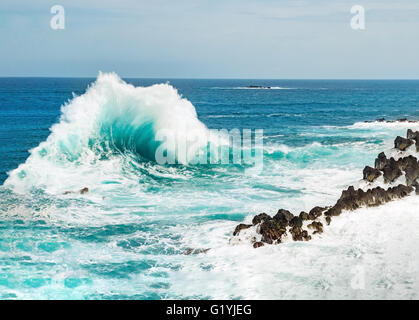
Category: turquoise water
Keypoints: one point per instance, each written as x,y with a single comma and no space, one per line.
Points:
127,237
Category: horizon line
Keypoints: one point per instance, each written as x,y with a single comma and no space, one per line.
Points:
213,78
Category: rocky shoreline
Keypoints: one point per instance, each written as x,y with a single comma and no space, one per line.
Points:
302,227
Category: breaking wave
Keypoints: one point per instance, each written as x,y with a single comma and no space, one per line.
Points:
111,122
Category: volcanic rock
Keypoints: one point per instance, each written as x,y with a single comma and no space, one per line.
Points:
297,234
402,143
370,174
412,174
391,171
272,231
328,220
241,227
296,222
258,244
316,212
304,216
381,161
316,226
260,218
412,134
352,199
283,216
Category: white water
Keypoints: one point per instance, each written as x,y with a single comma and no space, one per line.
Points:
379,244
112,116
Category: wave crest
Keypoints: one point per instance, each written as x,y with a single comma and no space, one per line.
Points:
111,117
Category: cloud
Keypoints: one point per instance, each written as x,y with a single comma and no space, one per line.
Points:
210,38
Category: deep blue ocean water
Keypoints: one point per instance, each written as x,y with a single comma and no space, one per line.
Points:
127,238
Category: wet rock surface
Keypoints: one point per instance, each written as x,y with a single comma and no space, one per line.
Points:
240,227
381,161
402,143
370,174
260,218
412,174
414,135
299,234
272,231
304,215
296,222
258,244
316,226
316,212
352,199
283,216
393,169
302,227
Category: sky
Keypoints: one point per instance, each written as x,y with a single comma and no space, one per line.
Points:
267,39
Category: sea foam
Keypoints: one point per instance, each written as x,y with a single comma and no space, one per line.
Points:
112,118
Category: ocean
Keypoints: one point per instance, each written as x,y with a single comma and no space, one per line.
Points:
130,235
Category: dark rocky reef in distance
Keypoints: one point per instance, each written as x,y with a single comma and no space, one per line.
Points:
272,230
392,121
257,87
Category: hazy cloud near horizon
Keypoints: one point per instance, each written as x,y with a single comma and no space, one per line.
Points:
211,39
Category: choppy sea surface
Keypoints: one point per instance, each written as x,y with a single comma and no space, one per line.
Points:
127,237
